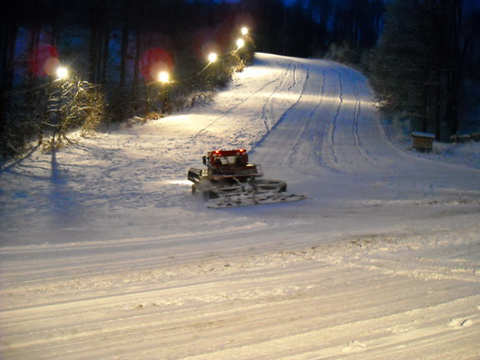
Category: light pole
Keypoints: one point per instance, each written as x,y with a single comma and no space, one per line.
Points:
164,79
212,57
240,43
58,98
245,42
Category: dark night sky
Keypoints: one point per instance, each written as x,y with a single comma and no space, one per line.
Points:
287,2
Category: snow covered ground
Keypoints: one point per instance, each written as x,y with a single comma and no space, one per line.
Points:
104,253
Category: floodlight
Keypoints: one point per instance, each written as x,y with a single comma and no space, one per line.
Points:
164,77
240,43
61,72
212,57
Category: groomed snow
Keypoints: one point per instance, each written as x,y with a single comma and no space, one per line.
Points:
105,254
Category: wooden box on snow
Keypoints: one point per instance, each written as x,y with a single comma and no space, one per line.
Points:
423,141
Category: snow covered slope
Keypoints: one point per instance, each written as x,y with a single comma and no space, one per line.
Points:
104,254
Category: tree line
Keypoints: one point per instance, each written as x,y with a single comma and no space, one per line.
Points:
310,27
114,51
422,56
425,69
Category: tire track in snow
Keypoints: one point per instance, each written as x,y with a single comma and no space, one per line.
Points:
229,110
282,118
252,95
308,300
93,253
309,140
321,135
312,133
345,130
288,72
355,125
391,256
306,133
425,268
333,126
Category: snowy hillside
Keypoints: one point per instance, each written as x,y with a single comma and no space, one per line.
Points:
105,254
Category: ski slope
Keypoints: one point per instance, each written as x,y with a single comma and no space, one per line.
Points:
104,253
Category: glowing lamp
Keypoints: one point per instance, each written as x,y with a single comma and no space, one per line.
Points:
61,72
212,57
244,31
164,77
240,43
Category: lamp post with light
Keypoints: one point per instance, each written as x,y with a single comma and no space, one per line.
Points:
240,44
245,43
212,57
164,79
57,101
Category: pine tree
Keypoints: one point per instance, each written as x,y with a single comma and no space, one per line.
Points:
417,69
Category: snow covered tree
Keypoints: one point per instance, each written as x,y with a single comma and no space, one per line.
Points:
400,64
418,68
73,103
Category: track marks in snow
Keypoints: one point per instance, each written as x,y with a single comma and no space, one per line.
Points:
283,304
281,87
333,125
356,120
326,126
460,323
345,131
289,81
131,253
